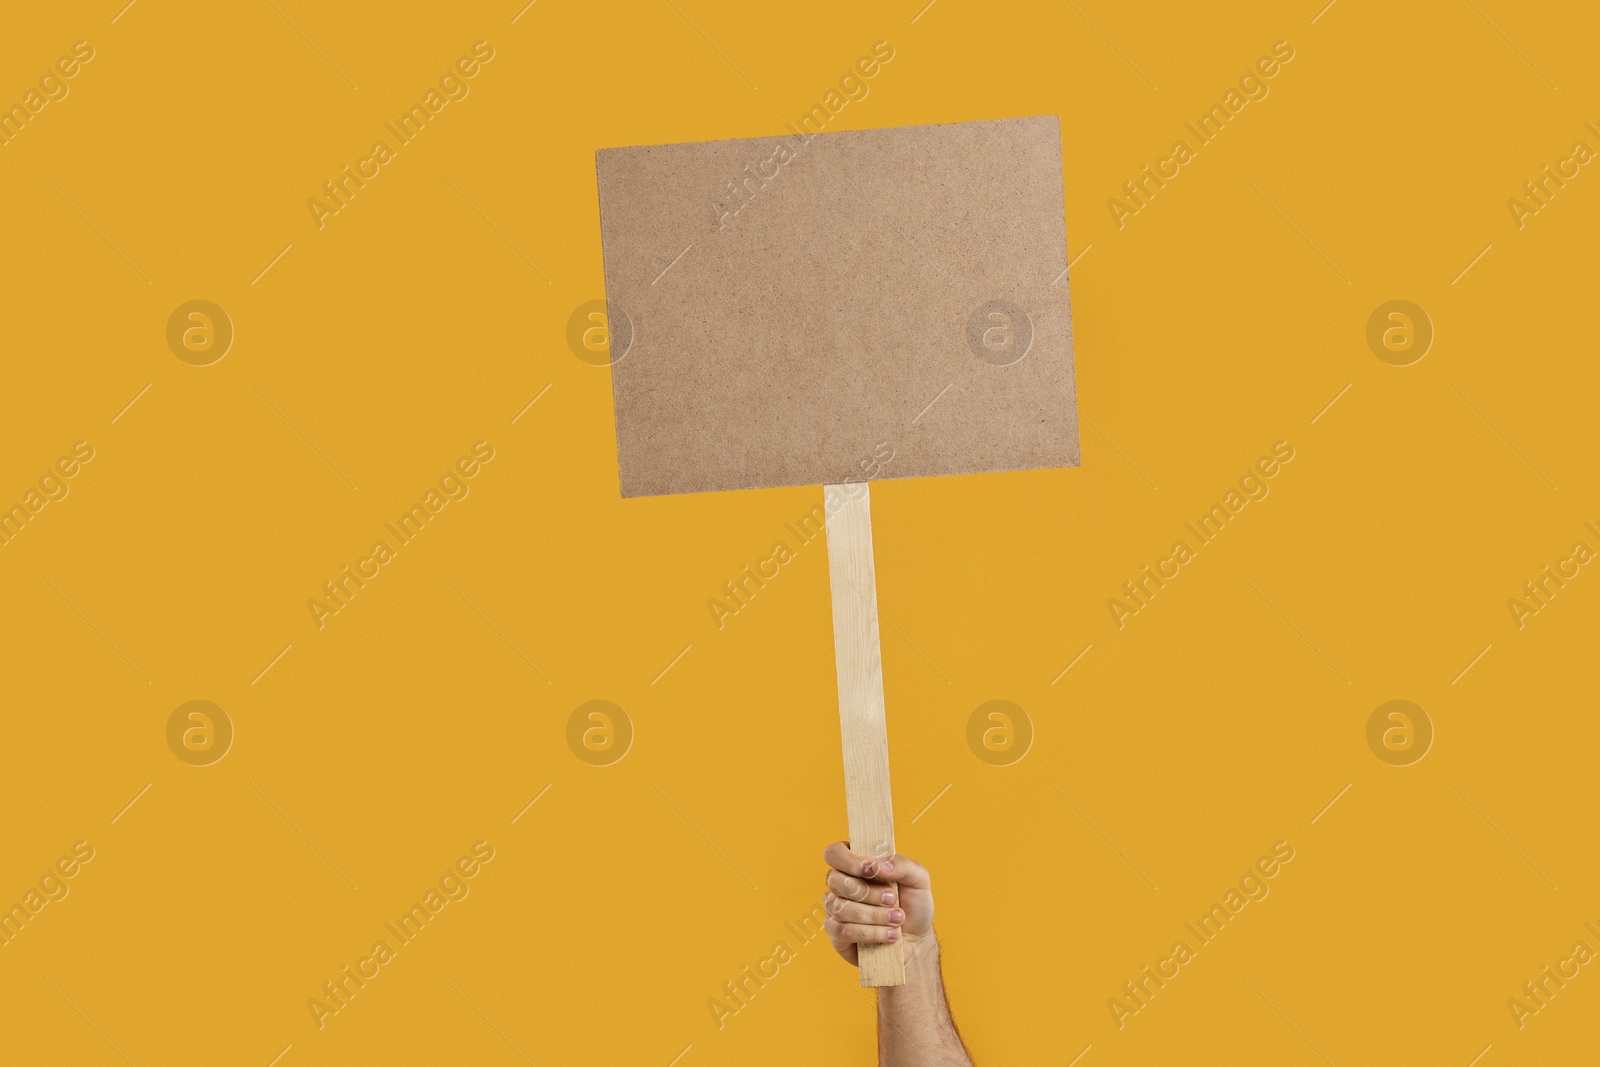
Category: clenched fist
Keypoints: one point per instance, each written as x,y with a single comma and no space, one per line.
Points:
875,900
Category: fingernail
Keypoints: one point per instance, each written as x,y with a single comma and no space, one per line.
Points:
894,934
888,898
869,868
897,916
888,867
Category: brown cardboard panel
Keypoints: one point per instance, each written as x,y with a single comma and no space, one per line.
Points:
801,307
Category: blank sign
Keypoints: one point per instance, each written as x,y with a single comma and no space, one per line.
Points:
796,307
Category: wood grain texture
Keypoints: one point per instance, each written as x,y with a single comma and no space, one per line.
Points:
861,717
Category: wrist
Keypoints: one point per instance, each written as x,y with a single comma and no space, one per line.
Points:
921,951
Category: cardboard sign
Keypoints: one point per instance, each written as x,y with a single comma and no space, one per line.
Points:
783,310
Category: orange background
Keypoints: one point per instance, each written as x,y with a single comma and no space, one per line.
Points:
369,355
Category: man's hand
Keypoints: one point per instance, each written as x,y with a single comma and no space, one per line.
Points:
870,901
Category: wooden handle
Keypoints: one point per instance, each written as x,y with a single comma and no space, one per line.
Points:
861,720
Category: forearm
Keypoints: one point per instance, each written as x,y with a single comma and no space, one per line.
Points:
914,1024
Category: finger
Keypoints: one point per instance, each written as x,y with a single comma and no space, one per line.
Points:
848,911
904,871
840,857
847,888
856,933
831,904
841,944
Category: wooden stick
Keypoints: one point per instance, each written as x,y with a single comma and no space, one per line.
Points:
861,720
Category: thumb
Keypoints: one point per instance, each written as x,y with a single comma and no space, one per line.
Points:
905,871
